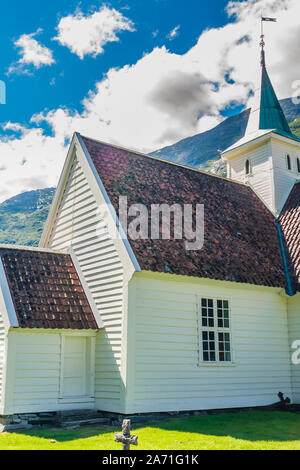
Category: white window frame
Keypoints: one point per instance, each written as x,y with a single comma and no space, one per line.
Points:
250,168
286,162
216,330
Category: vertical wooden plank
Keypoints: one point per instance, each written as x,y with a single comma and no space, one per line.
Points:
92,365
62,354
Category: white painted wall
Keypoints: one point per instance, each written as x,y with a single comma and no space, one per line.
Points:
284,179
34,372
164,347
81,223
260,178
269,176
4,327
2,359
294,335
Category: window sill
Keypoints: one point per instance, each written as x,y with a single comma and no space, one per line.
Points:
216,364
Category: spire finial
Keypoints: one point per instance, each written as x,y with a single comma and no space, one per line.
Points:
262,39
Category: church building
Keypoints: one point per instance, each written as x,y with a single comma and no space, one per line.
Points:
89,320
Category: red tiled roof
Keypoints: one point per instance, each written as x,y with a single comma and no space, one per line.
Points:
241,241
290,223
46,290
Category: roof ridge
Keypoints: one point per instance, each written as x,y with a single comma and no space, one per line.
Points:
30,248
153,157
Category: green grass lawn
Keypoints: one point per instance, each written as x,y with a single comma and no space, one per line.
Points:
246,430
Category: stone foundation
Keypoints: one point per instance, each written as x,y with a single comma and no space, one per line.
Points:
66,419
26,421
76,418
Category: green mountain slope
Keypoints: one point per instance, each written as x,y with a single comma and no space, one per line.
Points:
203,150
200,148
22,217
295,126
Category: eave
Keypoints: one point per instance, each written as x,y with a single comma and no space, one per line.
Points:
257,139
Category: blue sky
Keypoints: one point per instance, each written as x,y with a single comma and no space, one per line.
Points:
138,73
74,77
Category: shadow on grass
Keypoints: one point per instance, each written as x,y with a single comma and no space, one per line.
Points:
251,426
64,435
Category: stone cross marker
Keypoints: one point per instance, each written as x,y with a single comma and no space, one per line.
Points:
125,437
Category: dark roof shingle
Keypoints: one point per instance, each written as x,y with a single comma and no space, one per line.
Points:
241,243
46,290
290,223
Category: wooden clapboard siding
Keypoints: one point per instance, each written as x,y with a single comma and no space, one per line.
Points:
269,176
2,359
284,179
294,335
261,176
79,224
36,371
166,374
33,375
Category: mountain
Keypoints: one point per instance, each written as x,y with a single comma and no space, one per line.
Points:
22,217
295,126
203,150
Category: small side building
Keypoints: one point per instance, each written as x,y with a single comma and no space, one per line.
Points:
48,331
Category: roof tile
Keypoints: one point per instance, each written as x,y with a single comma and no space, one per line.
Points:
46,290
290,223
241,243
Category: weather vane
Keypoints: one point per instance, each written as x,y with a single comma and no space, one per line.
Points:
262,37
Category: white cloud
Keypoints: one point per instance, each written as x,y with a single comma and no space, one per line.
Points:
87,35
32,53
158,100
164,96
31,161
174,33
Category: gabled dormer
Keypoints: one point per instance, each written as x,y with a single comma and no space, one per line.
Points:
268,156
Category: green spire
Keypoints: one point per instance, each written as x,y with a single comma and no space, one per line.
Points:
271,114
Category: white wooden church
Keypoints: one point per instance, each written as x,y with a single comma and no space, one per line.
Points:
91,321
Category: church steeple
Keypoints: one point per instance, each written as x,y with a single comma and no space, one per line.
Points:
271,115
267,157
266,112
